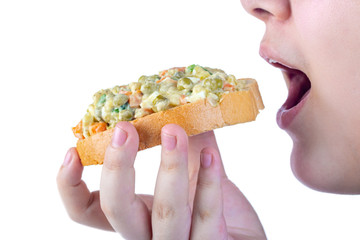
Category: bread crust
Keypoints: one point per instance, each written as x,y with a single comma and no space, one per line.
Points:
195,118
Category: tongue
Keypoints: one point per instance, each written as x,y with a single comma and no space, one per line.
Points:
298,89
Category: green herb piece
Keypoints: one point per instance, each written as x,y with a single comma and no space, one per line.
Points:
101,101
124,106
191,67
206,70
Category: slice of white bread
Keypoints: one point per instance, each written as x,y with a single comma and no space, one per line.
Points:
195,118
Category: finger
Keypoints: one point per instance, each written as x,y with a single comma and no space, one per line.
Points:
126,212
171,213
208,221
82,206
196,144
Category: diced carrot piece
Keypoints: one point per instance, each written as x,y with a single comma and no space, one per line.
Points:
172,80
79,135
135,99
163,73
97,127
149,110
183,100
128,93
161,79
78,131
180,69
228,87
167,78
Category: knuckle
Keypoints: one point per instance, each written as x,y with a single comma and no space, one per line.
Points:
205,183
108,209
193,175
113,165
76,216
169,166
81,214
163,211
204,215
115,161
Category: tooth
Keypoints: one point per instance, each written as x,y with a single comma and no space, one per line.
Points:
272,61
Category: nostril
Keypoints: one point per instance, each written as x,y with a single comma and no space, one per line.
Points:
261,13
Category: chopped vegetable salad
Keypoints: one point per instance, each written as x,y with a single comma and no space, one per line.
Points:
150,94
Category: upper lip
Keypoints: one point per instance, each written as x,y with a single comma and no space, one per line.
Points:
273,58
296,80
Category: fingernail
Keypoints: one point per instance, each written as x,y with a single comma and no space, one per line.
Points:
119,137
68,158
168,141
205,159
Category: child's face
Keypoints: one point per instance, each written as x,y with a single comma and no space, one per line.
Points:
321,38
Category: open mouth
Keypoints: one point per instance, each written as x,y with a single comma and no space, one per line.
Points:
299,85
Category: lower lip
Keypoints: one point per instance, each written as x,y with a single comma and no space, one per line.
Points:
286,116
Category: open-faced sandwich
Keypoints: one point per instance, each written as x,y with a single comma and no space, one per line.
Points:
197,98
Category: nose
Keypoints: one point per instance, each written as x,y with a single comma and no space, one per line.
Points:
268,9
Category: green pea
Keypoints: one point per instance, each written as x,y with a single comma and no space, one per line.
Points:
153,78
148,87
178,75
142,79
126,115
213,84
184,83
219,83
158,99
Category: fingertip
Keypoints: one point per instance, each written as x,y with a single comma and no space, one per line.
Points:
208,134
119,138
70,157
206,159
168,141
173,129
210,152
197,143
71,169
123,148
210,159
126,126
172,135
125,133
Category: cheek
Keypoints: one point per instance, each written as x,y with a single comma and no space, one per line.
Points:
326,153
331,38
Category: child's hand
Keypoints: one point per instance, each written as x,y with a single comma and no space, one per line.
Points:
189,201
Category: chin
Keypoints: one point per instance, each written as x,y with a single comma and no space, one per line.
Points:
322,171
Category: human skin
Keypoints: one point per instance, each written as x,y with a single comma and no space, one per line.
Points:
193,198
320,38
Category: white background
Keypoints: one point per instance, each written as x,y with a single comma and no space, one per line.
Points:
55,54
